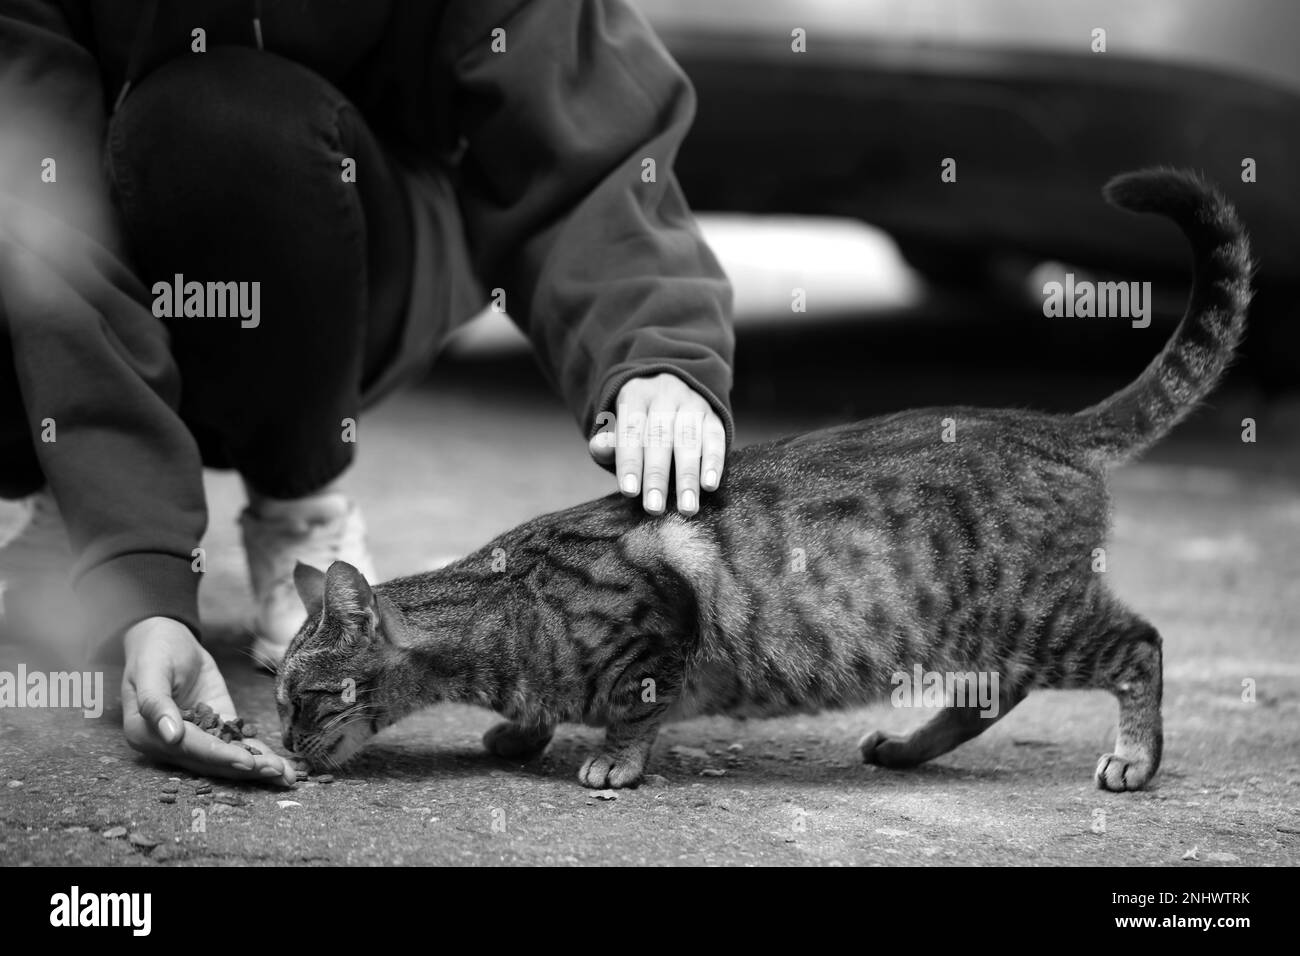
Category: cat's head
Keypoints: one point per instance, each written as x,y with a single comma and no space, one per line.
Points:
328,688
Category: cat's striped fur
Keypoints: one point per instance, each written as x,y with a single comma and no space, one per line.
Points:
827,563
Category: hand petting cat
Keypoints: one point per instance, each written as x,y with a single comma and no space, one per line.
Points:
664,428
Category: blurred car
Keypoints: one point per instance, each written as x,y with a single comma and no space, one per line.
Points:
1035,116
857,129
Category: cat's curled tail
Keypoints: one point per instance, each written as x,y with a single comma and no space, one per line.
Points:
1202,347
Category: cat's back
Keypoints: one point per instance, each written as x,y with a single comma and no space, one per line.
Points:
888,487
941,440
837,553
925,462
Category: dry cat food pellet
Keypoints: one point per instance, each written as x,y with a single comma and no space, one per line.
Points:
166,798
203,716
203,788
228,731
324,778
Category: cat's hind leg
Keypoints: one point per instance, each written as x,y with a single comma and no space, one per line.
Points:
949,728
1128,664
515,741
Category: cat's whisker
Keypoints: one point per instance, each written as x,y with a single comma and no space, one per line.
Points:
262,663
344,718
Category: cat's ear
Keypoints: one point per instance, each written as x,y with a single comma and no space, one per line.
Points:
311,588
349,600
392,623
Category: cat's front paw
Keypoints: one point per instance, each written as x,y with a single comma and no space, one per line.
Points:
885,751
516,741
1118,774
606,771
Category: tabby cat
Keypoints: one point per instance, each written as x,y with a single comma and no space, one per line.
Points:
827,563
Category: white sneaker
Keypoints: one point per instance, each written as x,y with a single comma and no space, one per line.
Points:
317,531
36,596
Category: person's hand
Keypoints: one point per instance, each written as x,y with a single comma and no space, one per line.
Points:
167,669
663,424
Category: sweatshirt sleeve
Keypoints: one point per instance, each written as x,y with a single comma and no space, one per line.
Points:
571,203
97,380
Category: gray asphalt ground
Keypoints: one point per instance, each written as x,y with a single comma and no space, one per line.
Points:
1206,544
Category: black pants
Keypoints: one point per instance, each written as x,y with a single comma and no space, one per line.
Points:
227,167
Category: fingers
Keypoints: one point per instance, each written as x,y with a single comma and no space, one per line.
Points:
629,453
272,768
602,446
206,755
713,448
203,754
216,757
664,430
147,691
190,745
198,745
201,769
687,441
604,442
659,431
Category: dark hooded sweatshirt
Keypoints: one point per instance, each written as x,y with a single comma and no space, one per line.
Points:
606,273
